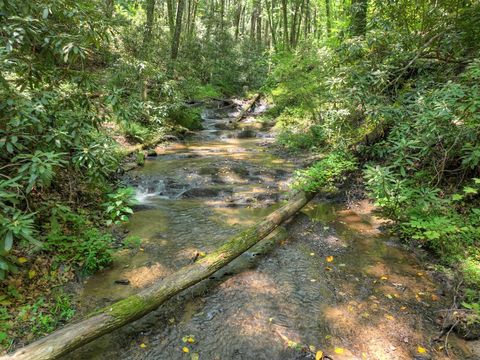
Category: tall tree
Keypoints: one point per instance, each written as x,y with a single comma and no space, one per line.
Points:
328,14
285,23
171,15
358,22
178,30
150,10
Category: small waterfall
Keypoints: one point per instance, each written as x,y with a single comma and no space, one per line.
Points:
148,189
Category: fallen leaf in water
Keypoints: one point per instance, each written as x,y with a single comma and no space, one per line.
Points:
319,355
421,350
389,317
329,258
31,274
188,339
339,351
292,344
22,260
143,346
185,349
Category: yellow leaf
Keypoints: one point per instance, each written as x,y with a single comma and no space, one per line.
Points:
339,351
403,308
188,339
319,355
312,254
31,274
22,260
143,346
329,258
185,349
419,273
389,296
364,355
434,297
384,277
389,317
328,268
421,350
202,254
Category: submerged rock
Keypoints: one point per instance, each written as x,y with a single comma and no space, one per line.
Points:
122,282
246,134
204,192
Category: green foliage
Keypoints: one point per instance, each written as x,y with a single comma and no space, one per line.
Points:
188,118
325,173
72,244
42,317
135,132
132,242
118,206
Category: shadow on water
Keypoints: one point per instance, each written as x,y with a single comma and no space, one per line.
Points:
336,283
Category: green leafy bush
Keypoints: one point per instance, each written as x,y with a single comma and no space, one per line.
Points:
75,241
325,173
118,206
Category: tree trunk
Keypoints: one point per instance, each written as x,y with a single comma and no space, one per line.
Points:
271,25
150,10
329,17
285,23
358,23
114,316
171,16
178,30
246,108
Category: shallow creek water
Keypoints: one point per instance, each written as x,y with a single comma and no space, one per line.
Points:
336,284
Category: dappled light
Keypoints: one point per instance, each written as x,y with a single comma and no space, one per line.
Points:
239,180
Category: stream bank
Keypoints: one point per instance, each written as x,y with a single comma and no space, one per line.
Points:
337,284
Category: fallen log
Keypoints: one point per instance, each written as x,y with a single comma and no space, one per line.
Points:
246,108
114,316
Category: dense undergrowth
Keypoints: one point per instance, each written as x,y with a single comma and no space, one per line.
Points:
73,81
405,101
82,82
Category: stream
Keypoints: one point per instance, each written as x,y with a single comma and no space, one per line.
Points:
337,284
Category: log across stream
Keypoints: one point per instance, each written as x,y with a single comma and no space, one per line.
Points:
333,282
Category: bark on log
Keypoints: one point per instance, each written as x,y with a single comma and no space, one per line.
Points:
112,317
246,108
